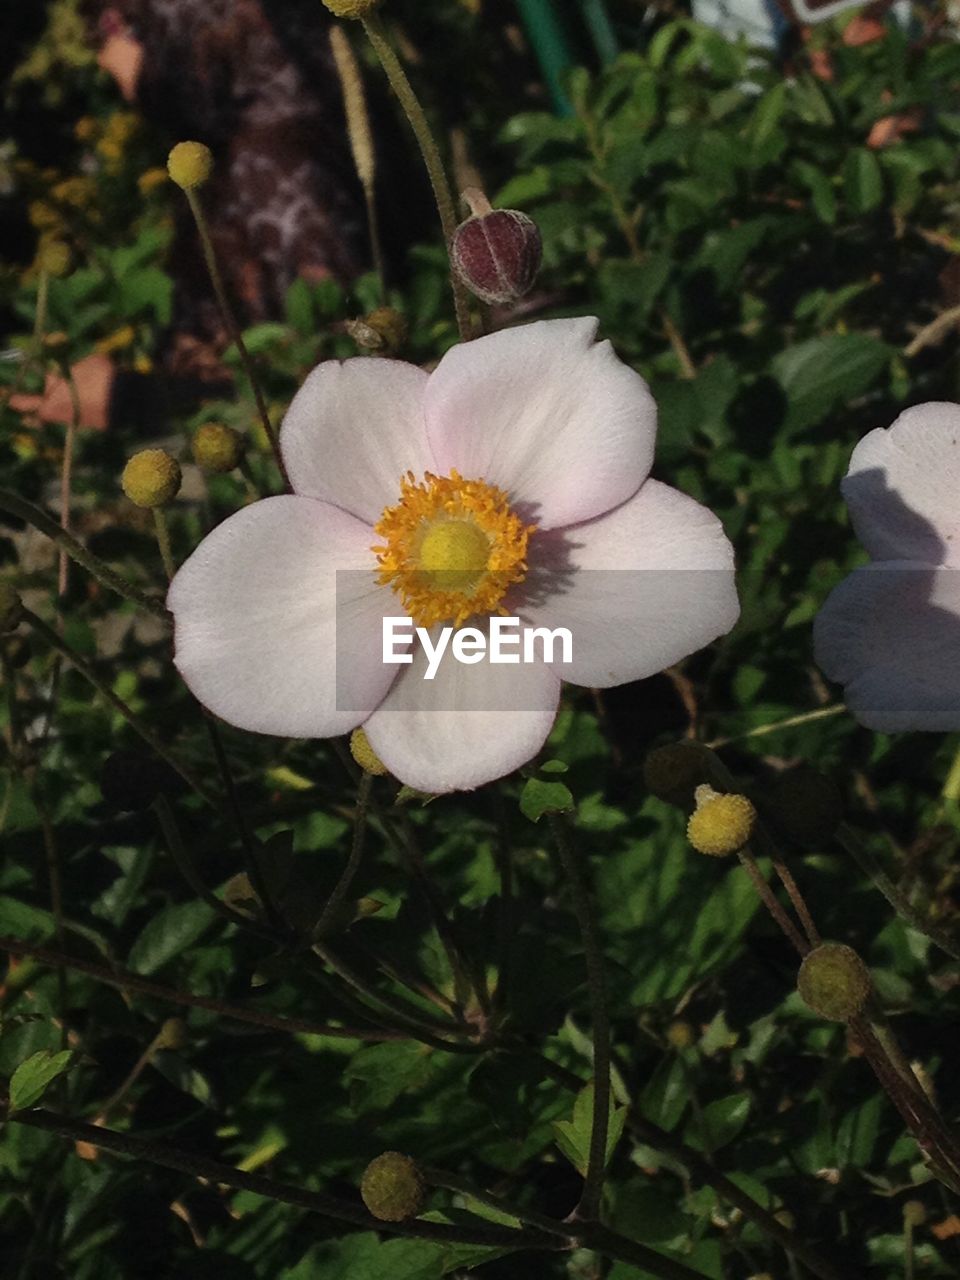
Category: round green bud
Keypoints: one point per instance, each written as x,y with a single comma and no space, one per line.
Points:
11,606
54,258
351,8
834,982
720,824
806,805
914,1213
173,1034
680,1034
364,754
673,772
190,164
392,1187
217,447
151,478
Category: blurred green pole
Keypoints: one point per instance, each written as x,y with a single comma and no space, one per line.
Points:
551,47
597,21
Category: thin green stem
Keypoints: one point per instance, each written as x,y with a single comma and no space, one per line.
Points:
233,328
86,670
807,717
589,1207
900,903
342,887
124,980
319,1202
14,505
163,541
770,901
376,34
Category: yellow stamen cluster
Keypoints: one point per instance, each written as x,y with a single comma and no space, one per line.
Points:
452,548
190,164
720,824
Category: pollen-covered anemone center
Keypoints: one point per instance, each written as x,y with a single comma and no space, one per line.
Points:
451,548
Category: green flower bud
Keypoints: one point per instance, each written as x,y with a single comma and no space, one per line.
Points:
217,447
914,1213
392,1187
806,805
720,824
673,772
834,982
151,478
364,754
190,164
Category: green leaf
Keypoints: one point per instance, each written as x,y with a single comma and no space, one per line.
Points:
815,375
540,796
718,1123
171,931
862,181
573,1136
32,1078
299,307
665,1096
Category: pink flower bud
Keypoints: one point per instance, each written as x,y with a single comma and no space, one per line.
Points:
496,252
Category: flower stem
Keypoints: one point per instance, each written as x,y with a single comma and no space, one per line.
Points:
900,903
342,887
14,505
769,899
376,34
233,328
589,1206
163,541
131,717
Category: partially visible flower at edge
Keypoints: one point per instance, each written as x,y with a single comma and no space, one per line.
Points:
890,632
499,483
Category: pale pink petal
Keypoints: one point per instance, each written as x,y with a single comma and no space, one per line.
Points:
353,430
547,414
267,635
639,588
467,726
890,634
903,485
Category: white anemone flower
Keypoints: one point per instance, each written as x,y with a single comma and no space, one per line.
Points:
513,479
890,633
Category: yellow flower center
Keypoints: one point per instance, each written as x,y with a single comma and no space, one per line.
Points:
451,548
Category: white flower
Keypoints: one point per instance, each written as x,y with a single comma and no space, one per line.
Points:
512,479
890,633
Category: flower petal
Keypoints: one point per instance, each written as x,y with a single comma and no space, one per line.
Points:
547,414
353,429
258,610
902,487
465,727
890,633
639,588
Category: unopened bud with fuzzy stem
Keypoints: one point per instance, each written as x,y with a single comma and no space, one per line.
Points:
914,1213
392,1187
190,164
364,754
720,824
151,478
217,447
351,8
806,805
673,772
496,252
173,1034
11,607
834,982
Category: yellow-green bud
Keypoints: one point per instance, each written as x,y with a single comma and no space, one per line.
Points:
173,1034
11,606
834,982
673,772
364,754
806,805
190,164
351,8
217,447
914,1213
54,258
680,1034
720,824
392,1187
151,478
